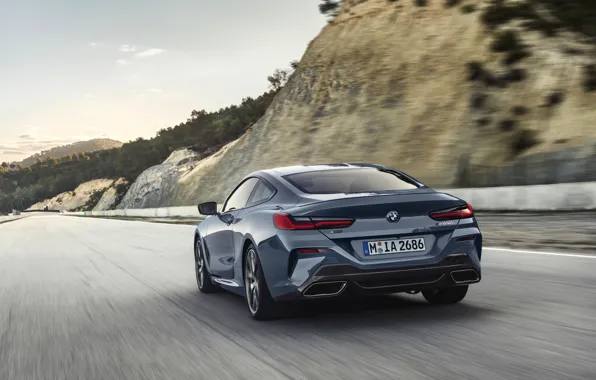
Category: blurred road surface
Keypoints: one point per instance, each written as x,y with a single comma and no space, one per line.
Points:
107,299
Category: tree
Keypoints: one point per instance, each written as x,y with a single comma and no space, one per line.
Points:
330,7
4,165
294,64
278,79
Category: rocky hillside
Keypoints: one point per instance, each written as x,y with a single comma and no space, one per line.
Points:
99,195
155,184
453,92
78,147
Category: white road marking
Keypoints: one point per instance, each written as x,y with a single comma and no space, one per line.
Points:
541,253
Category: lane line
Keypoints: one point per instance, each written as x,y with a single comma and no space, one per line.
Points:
541,253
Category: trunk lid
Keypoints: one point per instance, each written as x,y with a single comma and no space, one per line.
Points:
372,222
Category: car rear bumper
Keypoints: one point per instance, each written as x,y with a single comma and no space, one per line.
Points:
332,280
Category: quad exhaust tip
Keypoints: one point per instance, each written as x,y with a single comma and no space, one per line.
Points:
465,276
325,289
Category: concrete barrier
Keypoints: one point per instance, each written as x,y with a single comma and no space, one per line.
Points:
4,219
559,197
158,213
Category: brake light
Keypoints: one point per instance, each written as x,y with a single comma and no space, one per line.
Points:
288,222
451,214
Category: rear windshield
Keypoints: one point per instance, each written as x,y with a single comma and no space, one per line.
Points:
358,180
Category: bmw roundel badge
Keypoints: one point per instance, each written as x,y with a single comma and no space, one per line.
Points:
392,217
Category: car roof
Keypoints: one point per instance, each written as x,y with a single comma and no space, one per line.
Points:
288,170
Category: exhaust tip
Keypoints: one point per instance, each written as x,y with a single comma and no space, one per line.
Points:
465,276
325,289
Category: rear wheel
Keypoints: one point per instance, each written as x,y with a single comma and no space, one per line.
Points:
445,296
260,303
203,278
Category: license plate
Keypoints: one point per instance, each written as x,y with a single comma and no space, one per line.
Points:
383,247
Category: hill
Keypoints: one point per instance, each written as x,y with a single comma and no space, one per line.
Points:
457,93
89,146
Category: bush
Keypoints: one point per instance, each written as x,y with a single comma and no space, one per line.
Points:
499,13
578,15
477,101
483,122
475,71
506,41
516,75
523,140
507,125
555,98
468,8
519,110
515,56
421,3
452,3
590,78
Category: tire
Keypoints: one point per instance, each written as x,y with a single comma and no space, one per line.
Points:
203,277
264,307
445,296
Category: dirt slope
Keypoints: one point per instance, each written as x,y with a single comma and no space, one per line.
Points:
422,89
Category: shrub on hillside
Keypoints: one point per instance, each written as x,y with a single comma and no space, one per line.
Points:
523,140
506,41
590,78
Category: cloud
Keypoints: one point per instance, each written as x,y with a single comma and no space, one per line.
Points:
128,48
149,53
27,137
156,90
122,62
92,44
13,152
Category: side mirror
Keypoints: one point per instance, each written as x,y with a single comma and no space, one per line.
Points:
208,208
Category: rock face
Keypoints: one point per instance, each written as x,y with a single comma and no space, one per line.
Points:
153,186
75,199
109,198
432,90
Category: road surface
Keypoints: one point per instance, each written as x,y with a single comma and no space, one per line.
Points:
106,299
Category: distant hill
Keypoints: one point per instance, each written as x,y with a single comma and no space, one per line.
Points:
78,147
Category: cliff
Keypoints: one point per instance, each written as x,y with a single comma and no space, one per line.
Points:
457,93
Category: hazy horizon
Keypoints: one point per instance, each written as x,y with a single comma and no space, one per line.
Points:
76,70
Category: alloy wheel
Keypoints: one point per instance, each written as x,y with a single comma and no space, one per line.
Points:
199,264
251,281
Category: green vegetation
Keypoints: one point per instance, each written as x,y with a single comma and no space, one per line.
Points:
577,15
507,125
516,56
93,200
65,150
519,110
204,132
523,140
330,8
505,42
421,3
452,3
590,78
468,8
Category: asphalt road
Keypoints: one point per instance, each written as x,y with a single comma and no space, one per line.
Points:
107,299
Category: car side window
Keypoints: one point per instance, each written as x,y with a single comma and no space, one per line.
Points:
262,193
239,198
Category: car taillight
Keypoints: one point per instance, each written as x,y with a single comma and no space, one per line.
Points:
288,222
458,213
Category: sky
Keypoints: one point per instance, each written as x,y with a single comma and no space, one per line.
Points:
72,70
